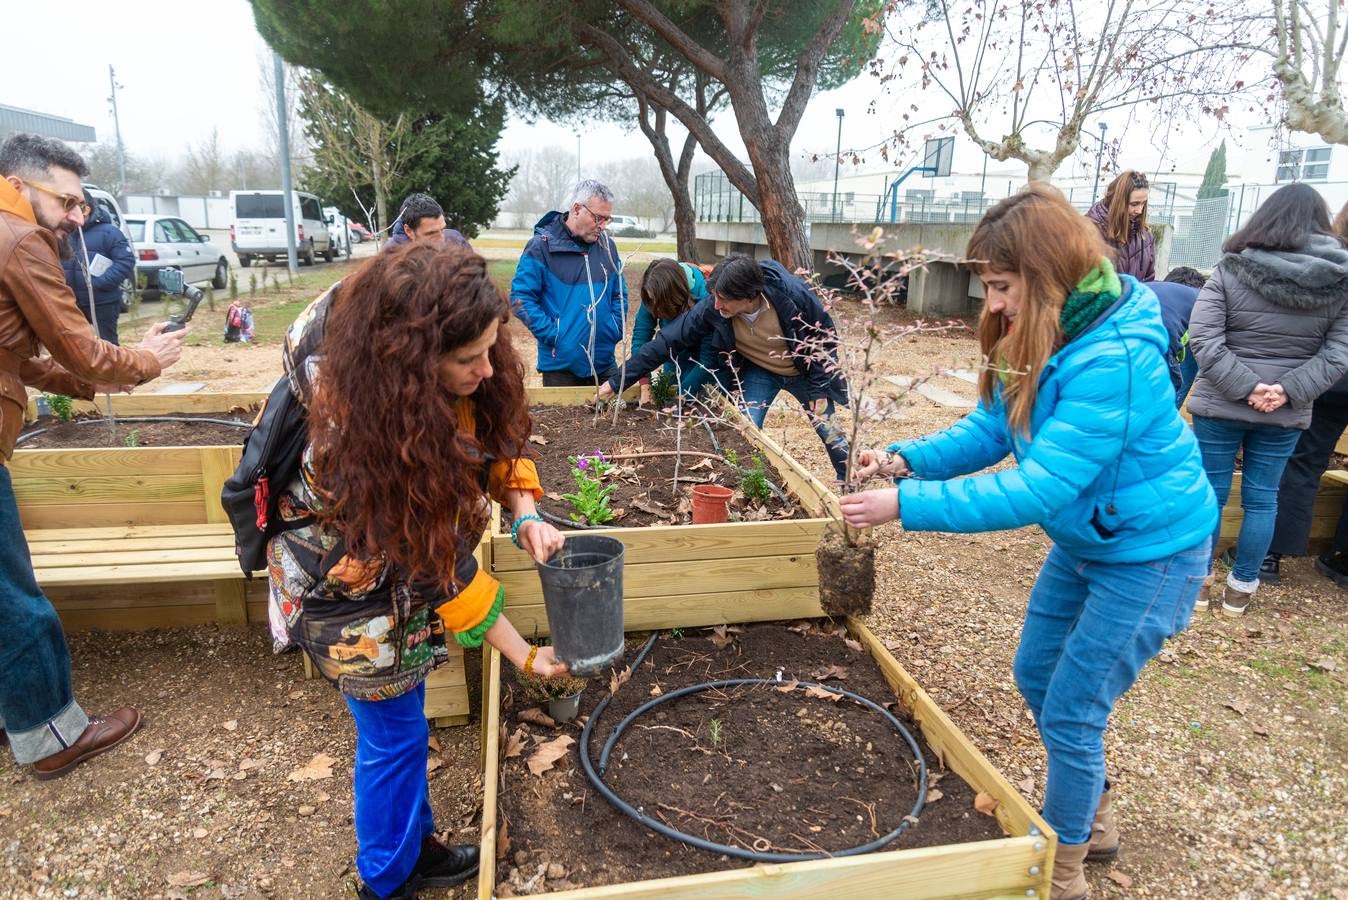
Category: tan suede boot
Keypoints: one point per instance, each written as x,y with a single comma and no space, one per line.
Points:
1104,843
1069,874
1205,593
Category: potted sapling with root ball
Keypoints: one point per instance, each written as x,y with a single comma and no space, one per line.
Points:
562,695
846,555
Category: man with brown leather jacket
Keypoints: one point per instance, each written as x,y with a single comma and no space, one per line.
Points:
41,203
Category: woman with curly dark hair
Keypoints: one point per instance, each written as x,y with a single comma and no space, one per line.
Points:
417,414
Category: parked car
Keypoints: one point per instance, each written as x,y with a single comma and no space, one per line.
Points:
627,226
109,203
167,241
338,229
360,234
259,227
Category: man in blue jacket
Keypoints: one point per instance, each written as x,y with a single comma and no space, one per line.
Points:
775,335
108,260
1177,295
570,292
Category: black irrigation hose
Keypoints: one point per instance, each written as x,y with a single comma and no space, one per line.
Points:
35,432
557,520
596,777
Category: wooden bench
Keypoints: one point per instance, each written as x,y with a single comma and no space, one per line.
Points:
135,538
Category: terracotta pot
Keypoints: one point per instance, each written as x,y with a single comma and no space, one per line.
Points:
711,503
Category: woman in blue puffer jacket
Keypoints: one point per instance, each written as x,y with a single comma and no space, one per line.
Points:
1078,390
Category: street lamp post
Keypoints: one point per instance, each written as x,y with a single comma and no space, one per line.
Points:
1100,151
837,160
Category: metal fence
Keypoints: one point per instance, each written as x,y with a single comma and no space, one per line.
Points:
1200,226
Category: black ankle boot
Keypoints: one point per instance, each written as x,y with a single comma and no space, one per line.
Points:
1333,566
444,866
1268,569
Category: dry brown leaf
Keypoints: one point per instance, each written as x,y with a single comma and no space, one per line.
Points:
433,763
852,645
1325,665
788,687
838,672
819,693
986,803
318,767
536,716
756,514
802,628
704,463
546,756
720,637
619,512
538,439
933,795
618,679
188,879
1026,785
249,763
655,690
1119,878
553,495
434,743
503,839
295,695
231,725
1237,705
650,506
516,744
152,758
1259,729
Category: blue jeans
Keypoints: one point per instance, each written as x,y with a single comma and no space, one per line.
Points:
1266,450
1089,629
393,801
1188,372
37,706
760,387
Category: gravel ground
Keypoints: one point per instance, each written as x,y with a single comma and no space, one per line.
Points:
1229,758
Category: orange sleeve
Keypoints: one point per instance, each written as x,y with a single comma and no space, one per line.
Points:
467,609
513,475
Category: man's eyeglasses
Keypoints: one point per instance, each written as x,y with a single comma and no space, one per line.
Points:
68,201
598,219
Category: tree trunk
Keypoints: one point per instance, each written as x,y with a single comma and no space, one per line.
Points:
685,228
380,201
783,217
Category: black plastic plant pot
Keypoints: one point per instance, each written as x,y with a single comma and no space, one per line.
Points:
583,598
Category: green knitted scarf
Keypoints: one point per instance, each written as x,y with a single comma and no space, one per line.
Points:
1094,294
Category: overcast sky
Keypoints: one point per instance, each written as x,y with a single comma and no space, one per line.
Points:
183,73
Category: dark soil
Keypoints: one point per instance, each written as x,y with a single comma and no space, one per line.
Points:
95,431
780,769
645,493
846,576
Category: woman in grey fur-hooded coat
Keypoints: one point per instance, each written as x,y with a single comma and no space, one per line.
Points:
1270,332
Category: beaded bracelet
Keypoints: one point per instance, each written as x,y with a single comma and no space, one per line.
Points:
515,529
529,661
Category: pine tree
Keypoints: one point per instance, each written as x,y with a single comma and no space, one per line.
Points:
1214,176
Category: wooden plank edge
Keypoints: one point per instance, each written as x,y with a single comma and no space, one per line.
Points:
921,873
1013,812
491,753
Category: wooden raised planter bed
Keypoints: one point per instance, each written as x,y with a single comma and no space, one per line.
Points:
1329,502
692,575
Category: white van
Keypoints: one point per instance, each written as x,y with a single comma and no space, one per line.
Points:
259,227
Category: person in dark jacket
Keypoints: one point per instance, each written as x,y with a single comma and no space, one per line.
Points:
1270,330
668,290
570,289
106,260
1122,220
1177,295
776,336
421,218
1080,397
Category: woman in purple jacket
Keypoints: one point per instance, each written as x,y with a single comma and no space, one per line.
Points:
1122,220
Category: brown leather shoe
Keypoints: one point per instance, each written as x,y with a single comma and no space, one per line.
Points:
102,734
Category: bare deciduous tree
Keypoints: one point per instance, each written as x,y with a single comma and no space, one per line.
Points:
1037,71
1309,49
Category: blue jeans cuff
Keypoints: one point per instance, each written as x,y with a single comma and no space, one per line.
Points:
52,736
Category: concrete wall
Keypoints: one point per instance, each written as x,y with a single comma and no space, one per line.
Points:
941,288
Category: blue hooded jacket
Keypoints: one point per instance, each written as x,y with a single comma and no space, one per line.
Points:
572,296
1109,469
105,239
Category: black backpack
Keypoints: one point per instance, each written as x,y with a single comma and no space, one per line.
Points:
271,459
272,450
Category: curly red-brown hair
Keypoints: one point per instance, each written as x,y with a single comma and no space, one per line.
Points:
398,473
